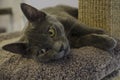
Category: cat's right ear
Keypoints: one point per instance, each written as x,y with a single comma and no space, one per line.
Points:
18,48
31,13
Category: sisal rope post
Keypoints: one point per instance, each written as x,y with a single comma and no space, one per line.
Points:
104,14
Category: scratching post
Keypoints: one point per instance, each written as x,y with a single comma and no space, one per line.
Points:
104,14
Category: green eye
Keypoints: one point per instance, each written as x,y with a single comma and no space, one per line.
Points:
52,32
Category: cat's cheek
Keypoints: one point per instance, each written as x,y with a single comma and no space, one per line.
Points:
57,45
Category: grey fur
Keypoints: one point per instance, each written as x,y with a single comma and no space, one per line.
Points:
69,33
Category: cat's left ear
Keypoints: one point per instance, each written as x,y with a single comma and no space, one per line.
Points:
18,48
31,13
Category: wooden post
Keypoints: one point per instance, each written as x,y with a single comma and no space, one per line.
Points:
104,14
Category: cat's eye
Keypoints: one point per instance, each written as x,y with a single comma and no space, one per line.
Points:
52,32
42,51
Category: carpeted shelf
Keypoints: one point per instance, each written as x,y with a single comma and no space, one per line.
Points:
86,63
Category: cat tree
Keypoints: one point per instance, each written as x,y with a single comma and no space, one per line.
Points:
103,14
86,63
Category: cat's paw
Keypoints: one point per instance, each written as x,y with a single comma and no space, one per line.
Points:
105,42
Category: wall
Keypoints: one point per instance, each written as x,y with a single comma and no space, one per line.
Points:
46,3
18,18
15,22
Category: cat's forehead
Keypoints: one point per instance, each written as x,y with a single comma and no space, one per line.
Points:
48,22
44,26
52,20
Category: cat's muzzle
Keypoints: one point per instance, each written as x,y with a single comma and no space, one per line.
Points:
45,55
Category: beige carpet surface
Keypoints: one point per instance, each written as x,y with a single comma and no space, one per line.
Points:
86,63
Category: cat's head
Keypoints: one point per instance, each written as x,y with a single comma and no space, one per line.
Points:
45,36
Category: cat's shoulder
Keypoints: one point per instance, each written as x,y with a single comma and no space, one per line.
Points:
65,6
61,7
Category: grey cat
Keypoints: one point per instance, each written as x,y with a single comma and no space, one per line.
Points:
52,31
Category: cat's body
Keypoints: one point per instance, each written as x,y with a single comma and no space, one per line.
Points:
77,33
52,31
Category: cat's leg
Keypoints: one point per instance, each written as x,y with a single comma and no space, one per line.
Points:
79,29
97,40
74,28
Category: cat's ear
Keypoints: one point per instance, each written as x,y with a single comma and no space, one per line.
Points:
18,48
31,13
